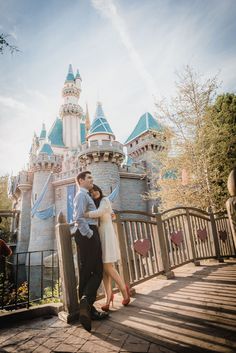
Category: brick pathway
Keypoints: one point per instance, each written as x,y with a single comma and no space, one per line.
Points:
195,312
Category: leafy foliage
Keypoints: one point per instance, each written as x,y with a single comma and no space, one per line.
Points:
8,292
5,45
204,147
5,204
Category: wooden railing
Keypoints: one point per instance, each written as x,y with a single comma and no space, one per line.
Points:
151,244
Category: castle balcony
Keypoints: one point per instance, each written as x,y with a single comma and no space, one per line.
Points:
45,162
68,176
151,144
101,146
25,177
103,150
71,91
70,108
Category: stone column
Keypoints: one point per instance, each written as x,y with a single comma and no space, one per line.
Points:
25,221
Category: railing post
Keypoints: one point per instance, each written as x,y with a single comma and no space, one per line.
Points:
190,237
67,271
164,253
123,259
215,236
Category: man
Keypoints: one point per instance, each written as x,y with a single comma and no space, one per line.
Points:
90,252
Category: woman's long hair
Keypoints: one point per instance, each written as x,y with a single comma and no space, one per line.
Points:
97,201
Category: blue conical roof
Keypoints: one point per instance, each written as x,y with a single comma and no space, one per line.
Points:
43,132
55,134
100,124
70,75
145,123
46,148
78,75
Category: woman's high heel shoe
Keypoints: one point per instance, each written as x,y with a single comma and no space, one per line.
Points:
126,301
107,306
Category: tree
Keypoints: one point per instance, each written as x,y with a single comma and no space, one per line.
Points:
218,135
5,204
185,114
5,45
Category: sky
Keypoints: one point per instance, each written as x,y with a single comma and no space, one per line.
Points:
127,52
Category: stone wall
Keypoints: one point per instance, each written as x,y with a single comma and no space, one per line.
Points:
106,176
130,194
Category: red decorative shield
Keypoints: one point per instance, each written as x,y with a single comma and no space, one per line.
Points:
177,237
223,235
202,234
142,246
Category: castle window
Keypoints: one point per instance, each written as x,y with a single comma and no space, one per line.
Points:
154,135
131,145
35,197
136,142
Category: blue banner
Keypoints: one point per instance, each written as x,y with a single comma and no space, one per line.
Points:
71,190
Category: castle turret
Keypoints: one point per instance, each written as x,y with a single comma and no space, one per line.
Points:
42,136
71,112
143,145
42,232
102,155
23,195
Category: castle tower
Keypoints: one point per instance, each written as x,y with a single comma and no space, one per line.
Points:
23,194
71,112
143,146
42,231
102,155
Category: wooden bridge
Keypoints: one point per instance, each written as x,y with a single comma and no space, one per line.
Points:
181,266
194,309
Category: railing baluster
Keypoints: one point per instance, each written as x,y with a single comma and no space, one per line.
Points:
28,294
52,251
42,273
16,284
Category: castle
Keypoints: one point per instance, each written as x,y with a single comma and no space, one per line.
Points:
73,145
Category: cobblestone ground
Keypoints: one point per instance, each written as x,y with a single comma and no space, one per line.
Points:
49,334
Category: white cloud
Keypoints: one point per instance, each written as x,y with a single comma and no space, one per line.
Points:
10,102
109,9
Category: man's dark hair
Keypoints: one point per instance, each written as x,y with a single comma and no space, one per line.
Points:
82,175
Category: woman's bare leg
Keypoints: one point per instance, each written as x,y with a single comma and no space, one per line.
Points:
111,272
107,286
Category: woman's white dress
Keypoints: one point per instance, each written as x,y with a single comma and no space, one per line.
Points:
110,248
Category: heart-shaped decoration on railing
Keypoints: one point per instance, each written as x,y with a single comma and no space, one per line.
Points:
142,246
177,237
223,235
202,234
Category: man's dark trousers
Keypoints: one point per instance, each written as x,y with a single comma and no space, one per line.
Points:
90,264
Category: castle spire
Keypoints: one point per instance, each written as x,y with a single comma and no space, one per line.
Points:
43,132
70,75
87,120
100,126
78,75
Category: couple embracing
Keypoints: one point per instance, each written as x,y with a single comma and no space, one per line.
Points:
98,249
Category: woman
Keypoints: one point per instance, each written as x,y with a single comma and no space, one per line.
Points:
110,251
